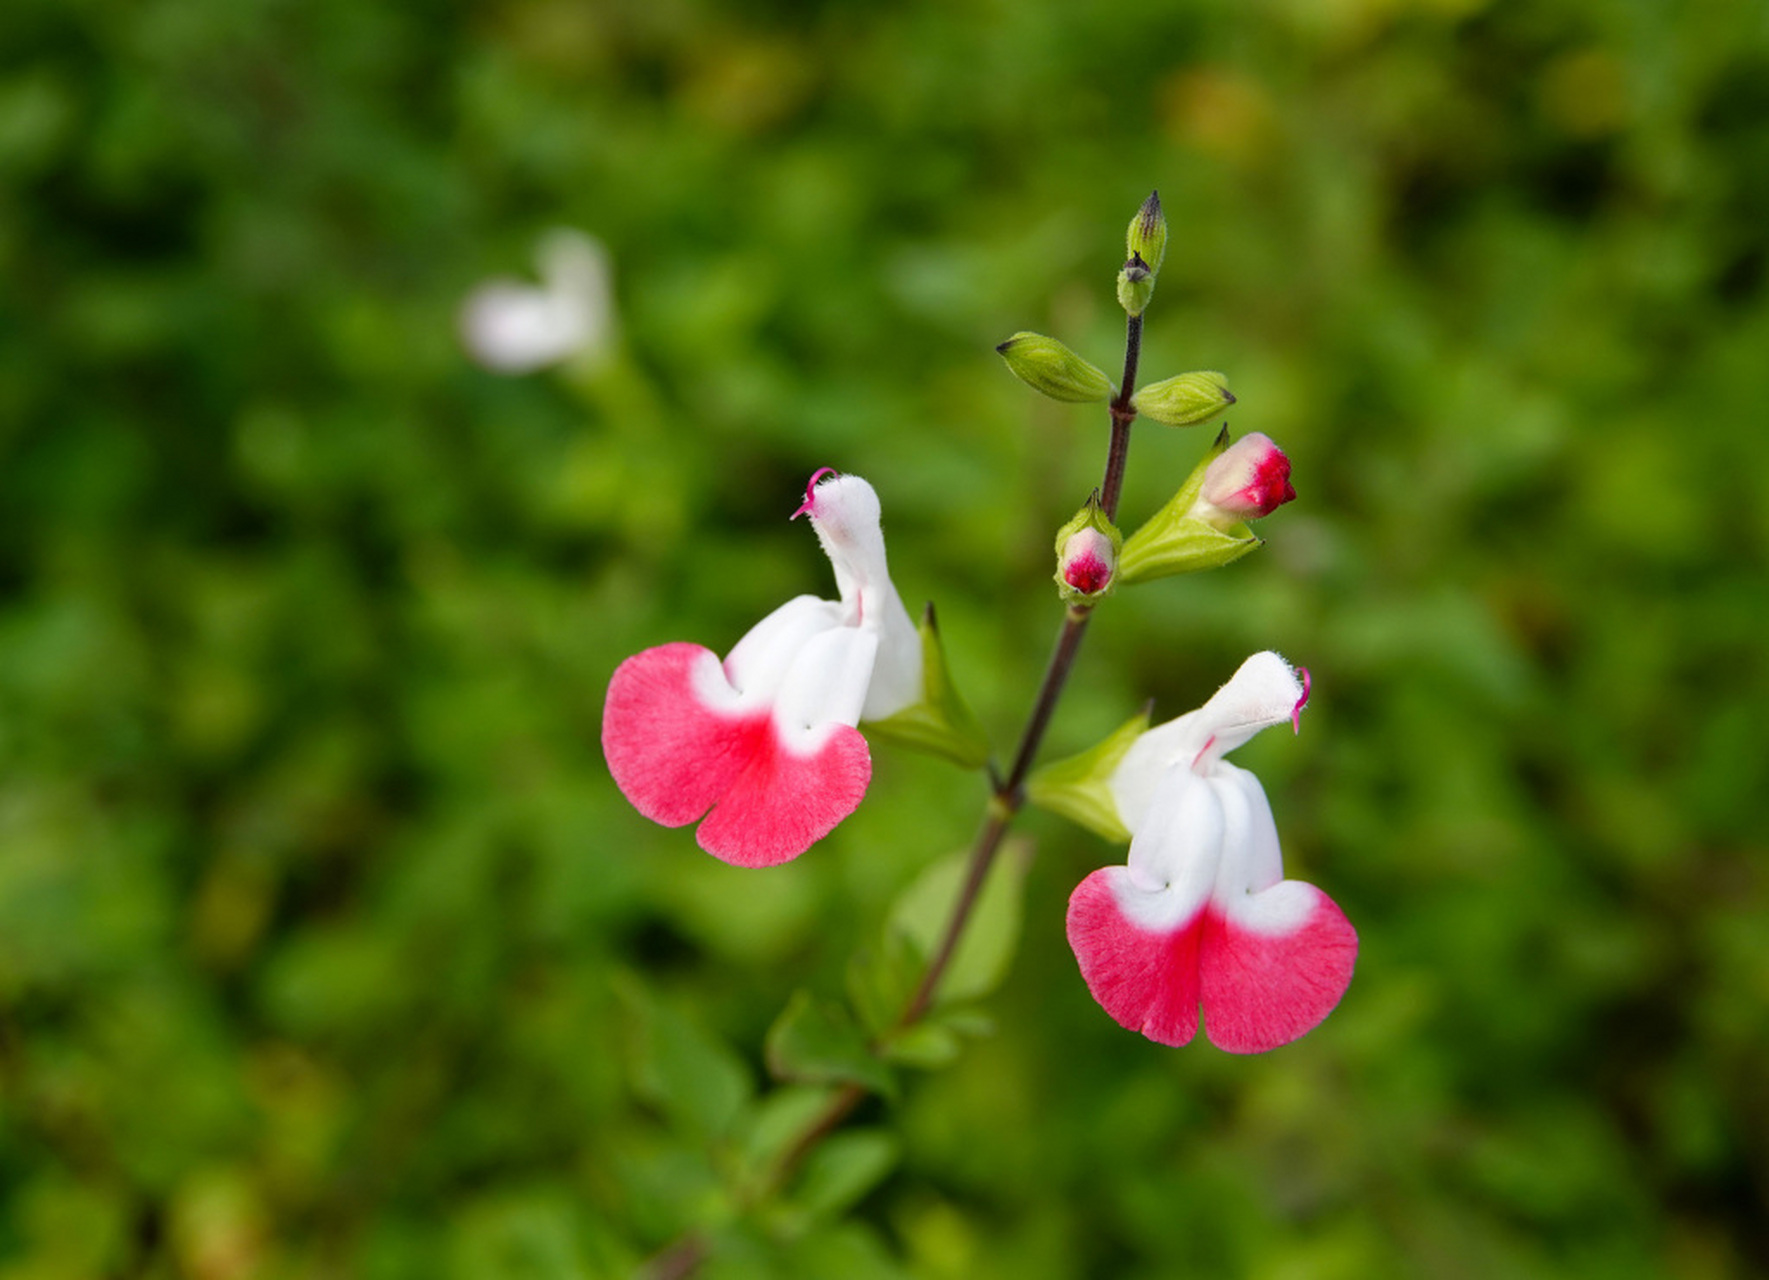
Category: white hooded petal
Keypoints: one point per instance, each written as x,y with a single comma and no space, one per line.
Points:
844,511
1265,691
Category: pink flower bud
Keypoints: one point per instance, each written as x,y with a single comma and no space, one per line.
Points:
1087,561
1250,479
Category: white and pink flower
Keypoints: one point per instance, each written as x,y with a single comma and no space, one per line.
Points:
1249,479
513,328
764,744
1202,917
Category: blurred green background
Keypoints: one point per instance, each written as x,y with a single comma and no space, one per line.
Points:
327,946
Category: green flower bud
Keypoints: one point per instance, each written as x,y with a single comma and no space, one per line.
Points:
1136,285
1087,555
1180,539
1046,365
1147,237
1184,401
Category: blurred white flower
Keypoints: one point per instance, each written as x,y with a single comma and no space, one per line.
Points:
515,328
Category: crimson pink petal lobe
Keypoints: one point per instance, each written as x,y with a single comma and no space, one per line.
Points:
783,803
1147,980
1262,990
671,755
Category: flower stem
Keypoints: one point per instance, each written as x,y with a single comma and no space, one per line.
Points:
1123,414
1009,792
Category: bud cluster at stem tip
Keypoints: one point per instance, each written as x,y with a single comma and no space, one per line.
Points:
1146,244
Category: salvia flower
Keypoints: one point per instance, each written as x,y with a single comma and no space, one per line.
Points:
1202,917
766,740
514,328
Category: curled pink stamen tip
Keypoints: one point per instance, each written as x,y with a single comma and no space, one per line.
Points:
1296,711
808,506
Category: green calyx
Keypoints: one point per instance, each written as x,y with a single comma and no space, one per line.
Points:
1184,401
1046,365
1176,541
1087,551
1080,788
942,723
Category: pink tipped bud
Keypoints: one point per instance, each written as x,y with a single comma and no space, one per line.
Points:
1251,478
1087,555
1087,561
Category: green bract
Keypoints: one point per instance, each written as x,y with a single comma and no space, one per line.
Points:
1080,787
942,722
1184,401
1176,541
1046,365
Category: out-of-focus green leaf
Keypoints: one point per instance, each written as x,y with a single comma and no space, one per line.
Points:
882,978
986,950
778,1119
678,1065
843,1169
925,1045
817,1042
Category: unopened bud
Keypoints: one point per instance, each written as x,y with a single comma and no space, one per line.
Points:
1046,365
1203,525
1184,401
1087,555
1136,285
1249,479
1147,237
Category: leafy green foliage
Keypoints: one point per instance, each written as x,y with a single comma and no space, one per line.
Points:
816,1042
313,885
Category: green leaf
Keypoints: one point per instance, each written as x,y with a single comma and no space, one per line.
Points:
816,1042
778,1120
942,723
882,979
926,1045
987,946
840,1171
690,1074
